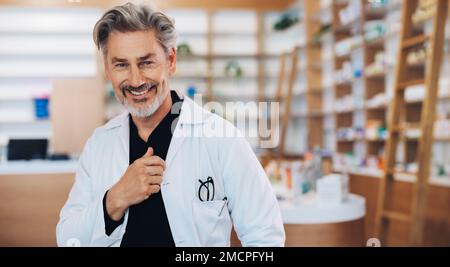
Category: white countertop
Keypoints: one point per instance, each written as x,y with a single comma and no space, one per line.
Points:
311,212
404,177
37,167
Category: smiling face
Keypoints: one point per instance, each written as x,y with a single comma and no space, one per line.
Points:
139,70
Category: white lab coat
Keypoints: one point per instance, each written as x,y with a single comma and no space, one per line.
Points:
236,171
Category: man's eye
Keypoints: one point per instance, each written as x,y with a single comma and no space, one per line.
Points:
146,63
121,65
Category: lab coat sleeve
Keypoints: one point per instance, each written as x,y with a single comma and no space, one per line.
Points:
81,220
251,201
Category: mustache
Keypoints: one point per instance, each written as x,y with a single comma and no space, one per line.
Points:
145,86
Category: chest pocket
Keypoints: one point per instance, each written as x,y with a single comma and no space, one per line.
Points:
213,222
209,207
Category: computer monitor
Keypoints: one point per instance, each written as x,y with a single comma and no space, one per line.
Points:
27,149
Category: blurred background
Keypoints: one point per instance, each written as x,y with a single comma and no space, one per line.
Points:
330,64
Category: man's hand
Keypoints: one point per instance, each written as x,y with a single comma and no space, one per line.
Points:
142,179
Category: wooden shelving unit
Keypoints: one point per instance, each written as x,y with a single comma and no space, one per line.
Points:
356,85
418,148
314,86
374,84
343,31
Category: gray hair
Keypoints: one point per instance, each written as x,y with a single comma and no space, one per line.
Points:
131,18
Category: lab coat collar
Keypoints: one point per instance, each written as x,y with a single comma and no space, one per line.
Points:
192,113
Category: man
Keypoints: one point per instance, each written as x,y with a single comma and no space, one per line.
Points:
147,178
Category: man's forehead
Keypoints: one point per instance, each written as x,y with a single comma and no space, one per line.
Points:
133,45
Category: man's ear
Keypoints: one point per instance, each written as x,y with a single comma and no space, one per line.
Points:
172,61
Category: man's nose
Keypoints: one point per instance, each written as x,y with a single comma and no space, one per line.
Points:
135,78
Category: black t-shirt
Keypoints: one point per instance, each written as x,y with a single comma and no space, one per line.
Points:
147,221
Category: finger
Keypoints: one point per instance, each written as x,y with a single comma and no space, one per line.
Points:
149,153
154,170
154,161
153,189
154,180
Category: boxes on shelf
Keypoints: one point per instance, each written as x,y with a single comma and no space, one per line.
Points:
374,30
375,130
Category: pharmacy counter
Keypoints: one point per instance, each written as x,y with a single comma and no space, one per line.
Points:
311,212
308,223
31,196
38,167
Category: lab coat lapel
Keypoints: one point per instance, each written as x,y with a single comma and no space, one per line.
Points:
124,144
192,115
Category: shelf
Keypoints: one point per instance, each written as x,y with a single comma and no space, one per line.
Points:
350,140
414,101
345,140
376,140
226,56
350,110
224,77
442,139
344,56
407,126
379,174
24,121
348,82
226,34
190,77
241,97
420,100
9,96
417,65
404,85
193,34
376,76
377,12
377,43
381,107
342,112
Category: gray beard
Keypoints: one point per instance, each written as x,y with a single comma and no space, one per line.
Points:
147,111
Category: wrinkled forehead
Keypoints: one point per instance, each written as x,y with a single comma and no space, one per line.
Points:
133,46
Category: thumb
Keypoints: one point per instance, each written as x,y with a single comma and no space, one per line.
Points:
149,153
